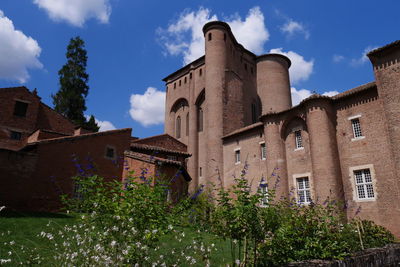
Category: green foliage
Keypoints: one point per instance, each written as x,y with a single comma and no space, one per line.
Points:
73,79
126,224
91,125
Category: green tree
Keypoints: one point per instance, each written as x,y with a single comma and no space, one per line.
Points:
73,79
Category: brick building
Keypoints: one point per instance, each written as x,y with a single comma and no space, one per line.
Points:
40,150
233,107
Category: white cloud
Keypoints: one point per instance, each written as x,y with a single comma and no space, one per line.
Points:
291,27
363,59
104,125
331,93
337,58
185,36
299,95
252,32
301,69
148,109
18,52
76,12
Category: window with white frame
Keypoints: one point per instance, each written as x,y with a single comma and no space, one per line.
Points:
237,156
298,139
263,189
263,151
364,186
303,190
355,123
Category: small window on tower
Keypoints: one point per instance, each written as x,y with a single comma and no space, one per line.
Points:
263,151
209,36
200,72
355,123
15,135
298,139
110,152
185,80
253,113
237,156
20,108
200,120
190,76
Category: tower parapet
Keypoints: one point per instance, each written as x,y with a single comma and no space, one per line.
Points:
273,84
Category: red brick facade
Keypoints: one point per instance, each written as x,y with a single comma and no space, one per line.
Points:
40,150
346,147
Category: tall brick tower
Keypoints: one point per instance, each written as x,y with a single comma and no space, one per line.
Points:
386,65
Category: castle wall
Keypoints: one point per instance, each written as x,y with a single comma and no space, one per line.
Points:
254,167
298,159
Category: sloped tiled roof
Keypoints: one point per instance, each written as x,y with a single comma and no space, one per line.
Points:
380,49
77,137
354,90
157,148
244,129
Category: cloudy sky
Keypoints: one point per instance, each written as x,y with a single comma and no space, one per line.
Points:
133,44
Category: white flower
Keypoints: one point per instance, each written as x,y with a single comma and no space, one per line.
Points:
237,262
113,243
2,208
4,261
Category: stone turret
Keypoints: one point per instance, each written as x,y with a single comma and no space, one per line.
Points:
215,34
273,85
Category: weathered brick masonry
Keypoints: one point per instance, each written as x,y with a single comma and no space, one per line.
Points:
232,107
40,150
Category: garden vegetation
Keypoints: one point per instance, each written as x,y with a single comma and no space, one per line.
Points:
133,224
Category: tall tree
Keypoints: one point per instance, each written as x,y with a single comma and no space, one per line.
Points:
73,79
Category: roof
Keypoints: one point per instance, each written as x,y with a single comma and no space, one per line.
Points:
164,141
337,97
157,160
381,49
157,148
354,90
186,68
77,137
244,129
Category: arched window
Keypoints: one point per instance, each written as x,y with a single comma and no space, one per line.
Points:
187,124
200,120
178,127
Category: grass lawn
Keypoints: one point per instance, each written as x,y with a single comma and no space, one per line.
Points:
24,228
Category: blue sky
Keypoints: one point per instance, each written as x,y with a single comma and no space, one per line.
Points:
133,44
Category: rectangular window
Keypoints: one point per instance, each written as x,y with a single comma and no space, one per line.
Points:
355,123
15,135
200,172
364,187
298,139
110,152
263,151
20,108
237,156
303,190
263,193
78,194
200,120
